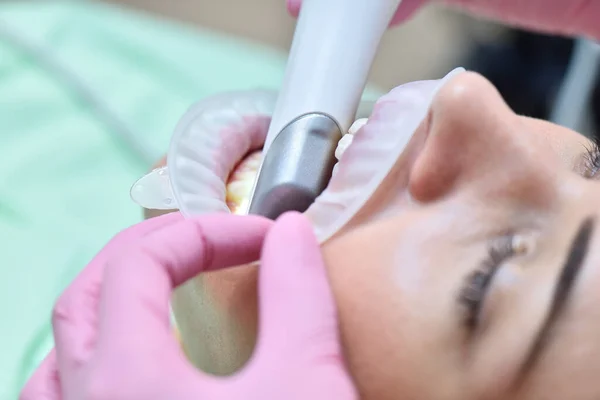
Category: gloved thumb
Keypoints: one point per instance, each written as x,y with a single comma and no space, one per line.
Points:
297,310
293,6
407,9
572,17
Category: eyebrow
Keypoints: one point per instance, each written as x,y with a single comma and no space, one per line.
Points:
562,290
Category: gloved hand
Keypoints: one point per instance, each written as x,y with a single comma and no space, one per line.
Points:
112,331
568,17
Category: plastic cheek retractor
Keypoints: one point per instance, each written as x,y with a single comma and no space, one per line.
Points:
217,133
208,143
367,156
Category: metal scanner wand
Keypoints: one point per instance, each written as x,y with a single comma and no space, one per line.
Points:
332,51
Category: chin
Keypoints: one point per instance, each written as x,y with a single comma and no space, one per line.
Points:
217,312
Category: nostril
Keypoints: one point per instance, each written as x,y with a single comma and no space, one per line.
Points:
467,123
432,176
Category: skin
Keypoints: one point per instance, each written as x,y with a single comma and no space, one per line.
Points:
475,172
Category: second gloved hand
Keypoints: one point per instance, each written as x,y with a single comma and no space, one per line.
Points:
568,17
113,335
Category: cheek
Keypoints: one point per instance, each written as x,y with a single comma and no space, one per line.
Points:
395,284
356,274
391,329
566,144
573,345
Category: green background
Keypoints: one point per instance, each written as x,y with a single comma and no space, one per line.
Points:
65,170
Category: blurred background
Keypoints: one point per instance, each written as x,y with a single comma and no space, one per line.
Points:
527,68
444,37
90,92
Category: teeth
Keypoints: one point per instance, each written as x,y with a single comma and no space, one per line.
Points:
359,123
335,169
343,144
239,184
346,140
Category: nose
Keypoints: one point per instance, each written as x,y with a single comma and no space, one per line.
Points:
473,139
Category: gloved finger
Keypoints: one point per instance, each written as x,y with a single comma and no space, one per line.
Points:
74,317
297,309
293,7
573,17
406,10
138,283
44,384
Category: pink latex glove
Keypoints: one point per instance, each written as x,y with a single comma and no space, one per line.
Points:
568,17
114,340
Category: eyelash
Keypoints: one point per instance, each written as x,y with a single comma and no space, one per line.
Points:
592,159
477,283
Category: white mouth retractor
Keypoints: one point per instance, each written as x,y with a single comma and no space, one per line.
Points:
209,141
370,154
215,134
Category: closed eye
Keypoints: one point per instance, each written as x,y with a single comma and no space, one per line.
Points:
591,159
477,283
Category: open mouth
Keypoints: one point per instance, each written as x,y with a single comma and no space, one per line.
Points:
240,181
213,159
239,184
205,175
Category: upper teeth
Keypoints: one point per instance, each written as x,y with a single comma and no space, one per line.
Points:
346,140
343,144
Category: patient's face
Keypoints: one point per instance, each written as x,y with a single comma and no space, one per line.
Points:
444,297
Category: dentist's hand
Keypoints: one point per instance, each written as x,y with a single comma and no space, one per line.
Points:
113,335
567,17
